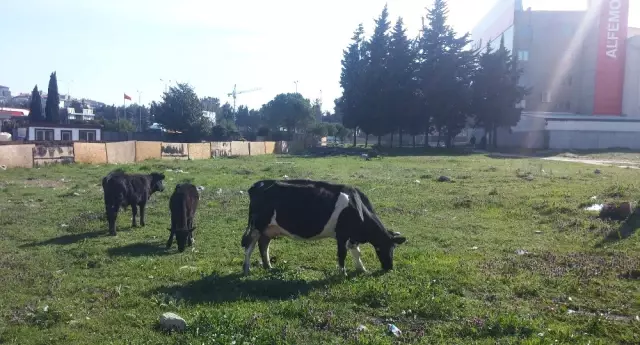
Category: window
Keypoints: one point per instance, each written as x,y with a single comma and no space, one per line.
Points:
88,135
523,55
44,134
545,97
65,136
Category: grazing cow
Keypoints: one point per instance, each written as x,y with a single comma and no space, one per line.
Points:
309,210
183,204
122,190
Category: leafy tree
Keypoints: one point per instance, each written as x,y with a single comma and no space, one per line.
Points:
342,132
181,111
288,110
316,110
496,91
123,125
401,80
226,113
35,108
352,104
211,104
225,130
331,129
77,106
446,69
52,107
242,117
377,77
319,129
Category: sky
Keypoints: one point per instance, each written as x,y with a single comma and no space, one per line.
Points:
102,49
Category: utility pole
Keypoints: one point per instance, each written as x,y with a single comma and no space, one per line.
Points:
296,82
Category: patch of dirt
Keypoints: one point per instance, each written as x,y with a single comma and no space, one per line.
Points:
582,265
41,183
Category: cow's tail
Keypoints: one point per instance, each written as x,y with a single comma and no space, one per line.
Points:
356,201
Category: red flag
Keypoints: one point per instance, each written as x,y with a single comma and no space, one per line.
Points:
127,96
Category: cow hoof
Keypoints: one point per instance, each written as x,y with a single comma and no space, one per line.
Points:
112,234
134,225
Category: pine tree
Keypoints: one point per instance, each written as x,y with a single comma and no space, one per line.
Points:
496,91
351,103
35,108
401,79
52,107
446,68
377,77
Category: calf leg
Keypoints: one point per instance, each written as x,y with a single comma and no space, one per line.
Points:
190,239
142,207
170,241
134,212
112,216
355,252
263,245
254,236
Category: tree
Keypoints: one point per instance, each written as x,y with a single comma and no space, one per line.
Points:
342,132
226,113
35,108
242,118
401,81
211,104
122,125
331,129
496,91
319,130
52,107
181,110
288,110
445,74
352,104
379,120
316,110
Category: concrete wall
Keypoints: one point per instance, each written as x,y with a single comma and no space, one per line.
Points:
148,150
221,149
256,148
585,140
16,156
121,152
175,151
528,140
91,153
240,148
53,154
269,147
631,96
199,151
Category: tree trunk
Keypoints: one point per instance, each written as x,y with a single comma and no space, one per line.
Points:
355,136
495,138
379,140
366,140
400,138
391,145
414,141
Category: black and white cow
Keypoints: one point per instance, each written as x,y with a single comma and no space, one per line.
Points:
310,210
183,204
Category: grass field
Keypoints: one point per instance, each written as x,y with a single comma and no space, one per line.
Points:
457,280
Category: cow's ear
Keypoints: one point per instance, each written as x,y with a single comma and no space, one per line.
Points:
399,239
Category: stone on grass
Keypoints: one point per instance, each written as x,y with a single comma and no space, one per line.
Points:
172,322
597,172
444,179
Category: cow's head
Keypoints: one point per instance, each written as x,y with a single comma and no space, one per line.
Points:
385,247
157,184
182,237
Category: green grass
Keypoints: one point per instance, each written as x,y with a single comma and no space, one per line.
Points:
458,279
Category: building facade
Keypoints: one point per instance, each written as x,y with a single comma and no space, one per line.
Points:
573,61
5,94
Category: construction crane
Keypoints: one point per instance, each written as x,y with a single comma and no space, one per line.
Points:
234,94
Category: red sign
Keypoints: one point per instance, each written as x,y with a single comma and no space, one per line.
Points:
612,36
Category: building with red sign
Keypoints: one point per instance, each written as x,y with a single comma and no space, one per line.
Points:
583,69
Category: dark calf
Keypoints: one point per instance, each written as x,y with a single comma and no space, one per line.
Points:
308,210
122,190
183,204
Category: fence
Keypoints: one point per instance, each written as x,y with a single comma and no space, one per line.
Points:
35,154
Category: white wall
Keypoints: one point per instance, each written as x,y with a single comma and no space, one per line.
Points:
631,93
57,135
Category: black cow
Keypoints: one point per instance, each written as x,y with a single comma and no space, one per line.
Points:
309,210
183,204
122,190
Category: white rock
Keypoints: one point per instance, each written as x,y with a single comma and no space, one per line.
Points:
362,328
171,321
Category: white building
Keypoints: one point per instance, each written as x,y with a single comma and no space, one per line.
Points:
60,132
